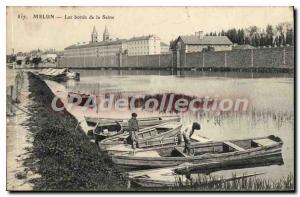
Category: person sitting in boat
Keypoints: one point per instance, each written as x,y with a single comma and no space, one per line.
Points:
187,132
133,127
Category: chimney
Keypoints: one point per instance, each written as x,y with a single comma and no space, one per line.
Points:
199,34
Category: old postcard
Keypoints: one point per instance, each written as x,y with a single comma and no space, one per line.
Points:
150,99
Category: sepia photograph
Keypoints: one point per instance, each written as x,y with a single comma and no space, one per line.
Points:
147,99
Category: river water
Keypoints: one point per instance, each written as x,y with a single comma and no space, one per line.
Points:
270,109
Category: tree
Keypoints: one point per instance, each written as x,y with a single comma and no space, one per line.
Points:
253,30
240,36
269,35
282,34
19,62
222,33
232,35
290,37
27,60
36,61
282,29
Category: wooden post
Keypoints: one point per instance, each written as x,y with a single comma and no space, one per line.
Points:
184,58
103,60
17,86
159,61
11,100
284,56
203,60
12,93
225,59
252,61
84,60
120,60
172,61
128,184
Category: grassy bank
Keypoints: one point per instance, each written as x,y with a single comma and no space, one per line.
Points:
63,155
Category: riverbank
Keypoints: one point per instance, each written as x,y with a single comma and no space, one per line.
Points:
67,160
175,70
18,137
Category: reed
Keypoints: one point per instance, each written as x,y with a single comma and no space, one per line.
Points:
212,183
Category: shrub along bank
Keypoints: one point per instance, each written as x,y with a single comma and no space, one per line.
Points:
65,158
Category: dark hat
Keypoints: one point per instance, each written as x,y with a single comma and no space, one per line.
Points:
196,126
134,115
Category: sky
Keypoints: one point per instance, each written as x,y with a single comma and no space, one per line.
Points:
25,34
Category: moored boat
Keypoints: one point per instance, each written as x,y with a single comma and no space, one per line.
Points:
143,122
201,153
153,144
159,135
107,129
157,178
58,74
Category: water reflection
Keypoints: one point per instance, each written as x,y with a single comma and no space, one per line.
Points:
91,73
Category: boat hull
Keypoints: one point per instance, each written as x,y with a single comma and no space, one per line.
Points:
131,161
143,122
164,177
58,74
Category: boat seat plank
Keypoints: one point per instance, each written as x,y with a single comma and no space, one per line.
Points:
234,146
147,154
200,138
264,142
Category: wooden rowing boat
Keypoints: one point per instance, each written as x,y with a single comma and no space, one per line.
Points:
159,135
104,130
155,143
58,74
207,168
167,178
143,122
183,174
200,153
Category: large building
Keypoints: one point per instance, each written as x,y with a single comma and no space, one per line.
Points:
199,42
164,48
143,45
106,47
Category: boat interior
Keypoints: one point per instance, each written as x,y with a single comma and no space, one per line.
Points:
195,149
145,133
107,128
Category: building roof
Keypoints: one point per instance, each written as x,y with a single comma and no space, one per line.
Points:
162,44
142,38
105,30
95,44
94,30
206,40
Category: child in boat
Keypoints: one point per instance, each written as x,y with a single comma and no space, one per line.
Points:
187,132
133,127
